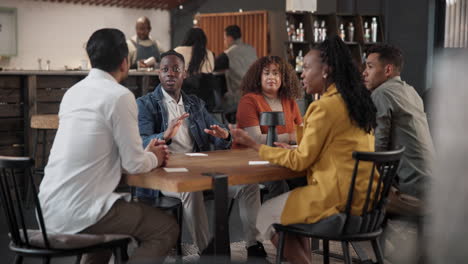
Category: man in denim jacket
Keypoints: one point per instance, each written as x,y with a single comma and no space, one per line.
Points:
186,126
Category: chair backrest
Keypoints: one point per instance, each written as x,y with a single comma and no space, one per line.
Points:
385,164
207,87
11,168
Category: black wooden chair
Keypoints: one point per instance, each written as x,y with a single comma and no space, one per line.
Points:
210,88
348,228
38,243
45,127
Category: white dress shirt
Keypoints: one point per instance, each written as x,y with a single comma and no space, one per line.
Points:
97,138
182,142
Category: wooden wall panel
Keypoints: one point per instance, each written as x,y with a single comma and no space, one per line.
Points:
57,82
254,28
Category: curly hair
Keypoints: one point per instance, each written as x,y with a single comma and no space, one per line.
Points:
348,81
252,81
196,39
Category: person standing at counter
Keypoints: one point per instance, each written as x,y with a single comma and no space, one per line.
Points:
198,58
234,61
142,50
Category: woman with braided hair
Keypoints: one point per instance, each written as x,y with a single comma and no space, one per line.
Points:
341,122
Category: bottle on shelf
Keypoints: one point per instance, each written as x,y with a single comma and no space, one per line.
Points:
299,62
374,29
323,31
366,32
342,32
288,30
350,32
316,31
293,32
300,32
291,53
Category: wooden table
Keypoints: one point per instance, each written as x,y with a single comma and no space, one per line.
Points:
227,167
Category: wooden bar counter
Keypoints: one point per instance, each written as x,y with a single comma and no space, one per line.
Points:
29,92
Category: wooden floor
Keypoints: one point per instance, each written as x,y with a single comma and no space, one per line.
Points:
239,253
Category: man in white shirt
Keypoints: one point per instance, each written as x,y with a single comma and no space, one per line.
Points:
184,123
96,141
142,50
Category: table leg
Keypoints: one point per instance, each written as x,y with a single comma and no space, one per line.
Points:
221,220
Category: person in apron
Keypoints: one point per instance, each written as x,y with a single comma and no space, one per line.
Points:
143,51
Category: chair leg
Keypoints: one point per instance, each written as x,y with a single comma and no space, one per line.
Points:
18,259
377,251
124,252
180,219
279,251
231,204
326,251
44,148
117,255
315,244
346,253
78,259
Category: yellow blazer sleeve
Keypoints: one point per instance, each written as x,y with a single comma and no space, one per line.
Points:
317,127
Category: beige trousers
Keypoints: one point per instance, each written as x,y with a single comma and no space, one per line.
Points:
196,218
155,231
269,214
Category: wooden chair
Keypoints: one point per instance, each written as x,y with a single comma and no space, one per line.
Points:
348,228
37,243
210,88
43,124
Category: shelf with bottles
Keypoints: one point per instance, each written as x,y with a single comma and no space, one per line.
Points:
322,25
348,28
372,29
296,26
295,55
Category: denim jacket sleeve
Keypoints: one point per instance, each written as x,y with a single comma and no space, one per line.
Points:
146,121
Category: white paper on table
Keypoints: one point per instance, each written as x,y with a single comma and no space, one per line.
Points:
258,162
176,169
196,154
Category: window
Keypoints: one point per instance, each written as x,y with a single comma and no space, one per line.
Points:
456,24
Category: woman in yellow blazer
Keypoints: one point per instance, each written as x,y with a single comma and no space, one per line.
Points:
341,122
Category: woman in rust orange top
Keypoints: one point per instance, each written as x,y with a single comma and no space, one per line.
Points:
270,84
